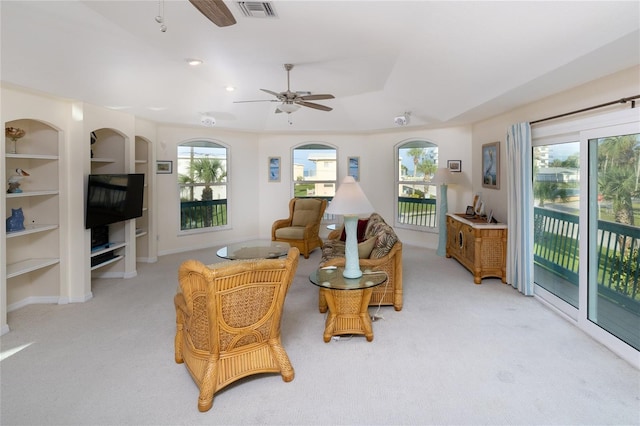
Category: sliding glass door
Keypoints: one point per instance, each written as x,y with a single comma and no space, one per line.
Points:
556,212
614,236
586,181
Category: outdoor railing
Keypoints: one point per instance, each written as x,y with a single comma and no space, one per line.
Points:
417,211
556,249
202,214
411,211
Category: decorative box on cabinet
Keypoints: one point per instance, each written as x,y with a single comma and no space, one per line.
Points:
479,246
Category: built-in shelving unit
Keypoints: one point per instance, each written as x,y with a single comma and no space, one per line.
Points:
32,255
142,153
108,156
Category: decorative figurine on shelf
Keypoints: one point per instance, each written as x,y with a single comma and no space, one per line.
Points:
14,134
14,181
15,222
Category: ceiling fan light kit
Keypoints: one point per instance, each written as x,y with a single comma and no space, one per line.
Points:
288,108
292,101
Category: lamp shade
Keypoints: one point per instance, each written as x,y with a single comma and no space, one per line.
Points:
349,199
442,176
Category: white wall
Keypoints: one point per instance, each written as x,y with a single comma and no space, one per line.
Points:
611,88
377,171
243,195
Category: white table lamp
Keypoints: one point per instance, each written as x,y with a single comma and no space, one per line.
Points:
350,202
442,178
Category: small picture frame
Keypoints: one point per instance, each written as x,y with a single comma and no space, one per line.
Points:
491,165
470,211
164,167
354,168
454,166
274,169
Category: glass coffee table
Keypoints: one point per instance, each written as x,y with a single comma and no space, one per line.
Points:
254,249
348,301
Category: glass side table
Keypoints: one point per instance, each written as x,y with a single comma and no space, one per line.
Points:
348,301
255,249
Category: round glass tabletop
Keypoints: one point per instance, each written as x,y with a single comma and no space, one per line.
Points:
332,278
255,249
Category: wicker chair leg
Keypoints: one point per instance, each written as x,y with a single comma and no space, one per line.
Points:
177,341
281,357
178,345
205,399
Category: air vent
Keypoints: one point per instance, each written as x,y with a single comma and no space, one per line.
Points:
257,9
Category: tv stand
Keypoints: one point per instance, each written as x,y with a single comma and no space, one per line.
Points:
105,254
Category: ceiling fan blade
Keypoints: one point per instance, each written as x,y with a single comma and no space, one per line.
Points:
316,97
315,106
271,92
216,11
257,100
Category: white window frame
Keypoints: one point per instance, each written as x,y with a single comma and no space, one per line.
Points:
215,144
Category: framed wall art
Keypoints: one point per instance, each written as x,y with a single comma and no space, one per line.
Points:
454,166
274,169
164,167
354,168
491,165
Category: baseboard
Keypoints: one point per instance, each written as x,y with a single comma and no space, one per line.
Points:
33,300
82,299
107,275
130,274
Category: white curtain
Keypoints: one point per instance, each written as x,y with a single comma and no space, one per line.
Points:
520,208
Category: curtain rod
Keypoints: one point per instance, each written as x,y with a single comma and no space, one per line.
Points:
619,101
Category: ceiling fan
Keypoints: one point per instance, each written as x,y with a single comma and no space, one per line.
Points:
291,101
216,11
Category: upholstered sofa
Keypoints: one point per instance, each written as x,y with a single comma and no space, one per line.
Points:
379,249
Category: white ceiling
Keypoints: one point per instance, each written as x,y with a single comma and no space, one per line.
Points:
446,62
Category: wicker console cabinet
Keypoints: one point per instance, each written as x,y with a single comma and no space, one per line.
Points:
479,246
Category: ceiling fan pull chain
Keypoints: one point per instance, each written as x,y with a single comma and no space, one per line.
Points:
160,17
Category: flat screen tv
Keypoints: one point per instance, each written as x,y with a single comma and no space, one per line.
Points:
113,198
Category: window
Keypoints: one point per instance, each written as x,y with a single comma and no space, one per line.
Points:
417,162
202,181
314,171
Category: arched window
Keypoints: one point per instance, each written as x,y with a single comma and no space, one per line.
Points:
315,172
416,164
202,180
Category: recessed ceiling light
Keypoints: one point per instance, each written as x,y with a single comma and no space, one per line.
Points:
157,108
194,62
230,88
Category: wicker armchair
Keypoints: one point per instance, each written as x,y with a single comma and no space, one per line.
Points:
228,321
381,259
302,228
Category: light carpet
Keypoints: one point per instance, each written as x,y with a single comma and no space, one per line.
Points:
457,354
